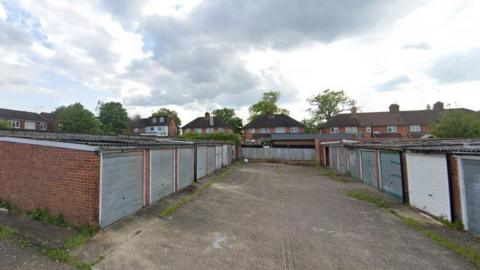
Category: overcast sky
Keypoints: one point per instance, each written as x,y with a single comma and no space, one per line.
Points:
196,55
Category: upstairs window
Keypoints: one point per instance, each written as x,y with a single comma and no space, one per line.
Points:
391,129
154,120
220,130
334,130
415,128
279,130
264,130
368,129
198,130
351,130
252,130
294,130
14,123
209,130
43,126
161,119
187,131
29,125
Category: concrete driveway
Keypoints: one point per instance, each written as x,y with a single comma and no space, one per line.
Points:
271,216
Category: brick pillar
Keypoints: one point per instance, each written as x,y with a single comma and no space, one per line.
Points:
454,179
146,180
318,152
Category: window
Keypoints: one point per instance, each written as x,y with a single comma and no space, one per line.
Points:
252,130
198,130
279,130
263,130
220,130
368,129
415,128
209,130
14,123
161,119
29,125
294,130
152,128
134,130
154,120
351,130
391,129
334,130
187,131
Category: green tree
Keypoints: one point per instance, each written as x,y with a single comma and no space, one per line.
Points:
457,124
75,118
229,117
113,117
169,113
4,124
327,104
266,105
310,126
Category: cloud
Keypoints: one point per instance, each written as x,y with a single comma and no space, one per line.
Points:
417,46
457,67
393,84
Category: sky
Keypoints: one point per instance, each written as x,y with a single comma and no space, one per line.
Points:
195,56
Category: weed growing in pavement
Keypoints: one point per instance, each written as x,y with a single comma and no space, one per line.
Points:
368,197
327,171
5,204
45,216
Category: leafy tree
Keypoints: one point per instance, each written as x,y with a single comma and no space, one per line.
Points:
457,124
266,105
113,117
4,124
229,117
310,126
75,118
327,104
169,113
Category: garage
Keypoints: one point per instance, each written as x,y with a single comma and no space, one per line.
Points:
201,161
210,159
218,157
185,167
342,161
225,154
162,174
333,159
428,184
369,167
391,174
471,194
353,163
121,186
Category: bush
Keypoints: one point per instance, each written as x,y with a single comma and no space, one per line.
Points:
231,138
5,204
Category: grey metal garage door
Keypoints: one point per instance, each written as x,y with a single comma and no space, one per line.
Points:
230,153
353,162
163,174
471,176
185,167
342,163
369,168
333,160
201,161
210,159
218,157
391,174
225,155
121,186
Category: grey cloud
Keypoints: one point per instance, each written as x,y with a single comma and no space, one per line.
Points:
417,46
393,84
11,36
457,67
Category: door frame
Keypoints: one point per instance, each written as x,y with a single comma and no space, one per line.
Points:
463,198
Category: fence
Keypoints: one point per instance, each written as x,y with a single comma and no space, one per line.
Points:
285,154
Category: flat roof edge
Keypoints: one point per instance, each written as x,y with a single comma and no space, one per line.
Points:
73,146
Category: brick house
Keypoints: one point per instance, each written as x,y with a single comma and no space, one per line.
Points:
24,120
391,124
161,126
262,127
207,125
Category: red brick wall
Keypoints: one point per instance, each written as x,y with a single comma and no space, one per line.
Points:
172,129
248,136
404,131
61,180
146,180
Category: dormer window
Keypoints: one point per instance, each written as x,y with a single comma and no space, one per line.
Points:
161,119
154,120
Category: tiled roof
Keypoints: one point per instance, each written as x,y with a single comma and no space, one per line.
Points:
20,115
146,122
204,122
309,136
272,121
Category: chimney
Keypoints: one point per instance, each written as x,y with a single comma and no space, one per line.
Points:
207,115
353,110
394,108
438,107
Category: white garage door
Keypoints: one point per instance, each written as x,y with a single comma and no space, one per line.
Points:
121,186
428,184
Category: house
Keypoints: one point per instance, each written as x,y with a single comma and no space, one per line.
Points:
261,128
24,120
391,124
52,123
207,125
161,126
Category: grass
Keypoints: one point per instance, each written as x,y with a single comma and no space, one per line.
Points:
184,200
327,171
44,216
5,204
78,240
62,255
368,197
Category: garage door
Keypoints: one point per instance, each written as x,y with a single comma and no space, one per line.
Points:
428,184
353,162
225,155
471,176
185,167
218,157
163,174
391,174
210,159
342,162
369,167
121,186
333,160
201,161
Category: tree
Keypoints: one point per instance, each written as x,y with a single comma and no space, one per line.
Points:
113,117
229,117
310,126
266,105
457,124
4,124
327,104
75,118
169,113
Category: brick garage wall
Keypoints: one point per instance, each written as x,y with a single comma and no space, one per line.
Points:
61,180
455,186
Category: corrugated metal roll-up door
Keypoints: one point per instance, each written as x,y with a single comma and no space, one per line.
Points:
201,161
121,186
185,167
353,162
428,187
218,157
342,162
225,154
163,174
471,181
333,160
369,167
391,174
210,159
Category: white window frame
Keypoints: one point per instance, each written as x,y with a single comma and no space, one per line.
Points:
251,130
392,129
263,130
210,130
154,120
43,126
198,130
14,123
415,128
294,130
28,125
334,130
161,119
351,130
187,131
279,130
368,129
220,130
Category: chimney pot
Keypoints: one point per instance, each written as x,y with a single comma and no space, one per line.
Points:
394,108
